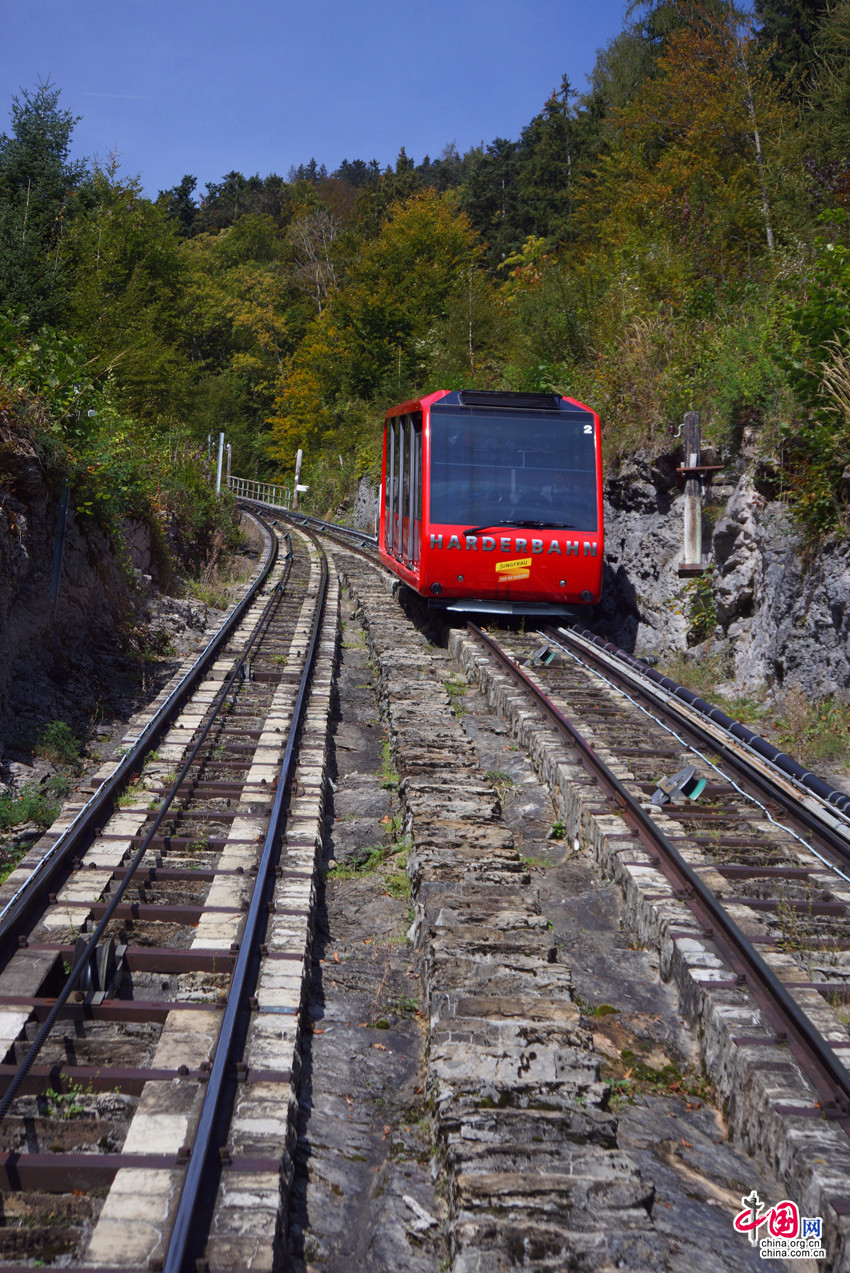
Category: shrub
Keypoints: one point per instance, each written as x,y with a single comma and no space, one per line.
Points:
57,742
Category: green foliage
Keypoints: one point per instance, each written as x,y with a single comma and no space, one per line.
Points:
58,742
381,330
33,803
548,166
789,28
69,1103
37,196
644,248
502,782
389,774
490,199
386,861
814,732
817,444
824,312
51,364
214,586
126,301
237,303
116,466
701,612
826,122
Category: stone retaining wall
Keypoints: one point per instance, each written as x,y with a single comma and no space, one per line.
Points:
752,1072
534,1178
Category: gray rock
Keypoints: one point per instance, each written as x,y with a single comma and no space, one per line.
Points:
365,505
643,548
785,612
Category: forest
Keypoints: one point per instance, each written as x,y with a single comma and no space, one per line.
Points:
674,237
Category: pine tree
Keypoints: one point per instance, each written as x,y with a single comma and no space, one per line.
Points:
38,184
789,28
546,165
180,206
490,200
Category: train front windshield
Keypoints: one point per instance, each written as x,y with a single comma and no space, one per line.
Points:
492,466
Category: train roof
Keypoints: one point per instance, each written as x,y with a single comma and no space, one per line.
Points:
499,398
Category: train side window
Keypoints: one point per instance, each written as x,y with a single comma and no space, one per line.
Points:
404,476
398,538
415,496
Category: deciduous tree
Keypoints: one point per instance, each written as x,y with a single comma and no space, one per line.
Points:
378,333
699,162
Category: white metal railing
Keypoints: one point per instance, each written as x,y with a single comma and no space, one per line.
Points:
260,492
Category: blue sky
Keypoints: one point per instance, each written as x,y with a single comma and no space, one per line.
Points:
206,86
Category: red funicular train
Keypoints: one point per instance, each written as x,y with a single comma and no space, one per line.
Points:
493,501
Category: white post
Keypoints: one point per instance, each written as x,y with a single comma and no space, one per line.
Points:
218,470
299,457
228,463
693,492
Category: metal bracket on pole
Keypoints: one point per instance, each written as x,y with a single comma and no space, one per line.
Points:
299,457
693,473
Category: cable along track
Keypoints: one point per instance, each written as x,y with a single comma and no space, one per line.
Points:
744,912
161,985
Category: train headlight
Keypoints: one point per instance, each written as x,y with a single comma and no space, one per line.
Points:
586,596
436,588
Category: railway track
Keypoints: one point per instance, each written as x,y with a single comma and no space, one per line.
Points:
150,1010
744,890
153,1125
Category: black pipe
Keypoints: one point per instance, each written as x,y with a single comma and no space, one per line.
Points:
838,799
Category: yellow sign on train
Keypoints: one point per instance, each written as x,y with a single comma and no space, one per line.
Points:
504,567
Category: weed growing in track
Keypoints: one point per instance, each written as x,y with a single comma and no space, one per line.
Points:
35,802
501,781
456,688
389,775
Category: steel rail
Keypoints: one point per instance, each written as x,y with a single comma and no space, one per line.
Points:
826,818
201,1178
316,524
85,956
829,1077
18,913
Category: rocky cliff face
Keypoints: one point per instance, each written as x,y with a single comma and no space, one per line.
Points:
786,612
37,651
365,506
785,616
